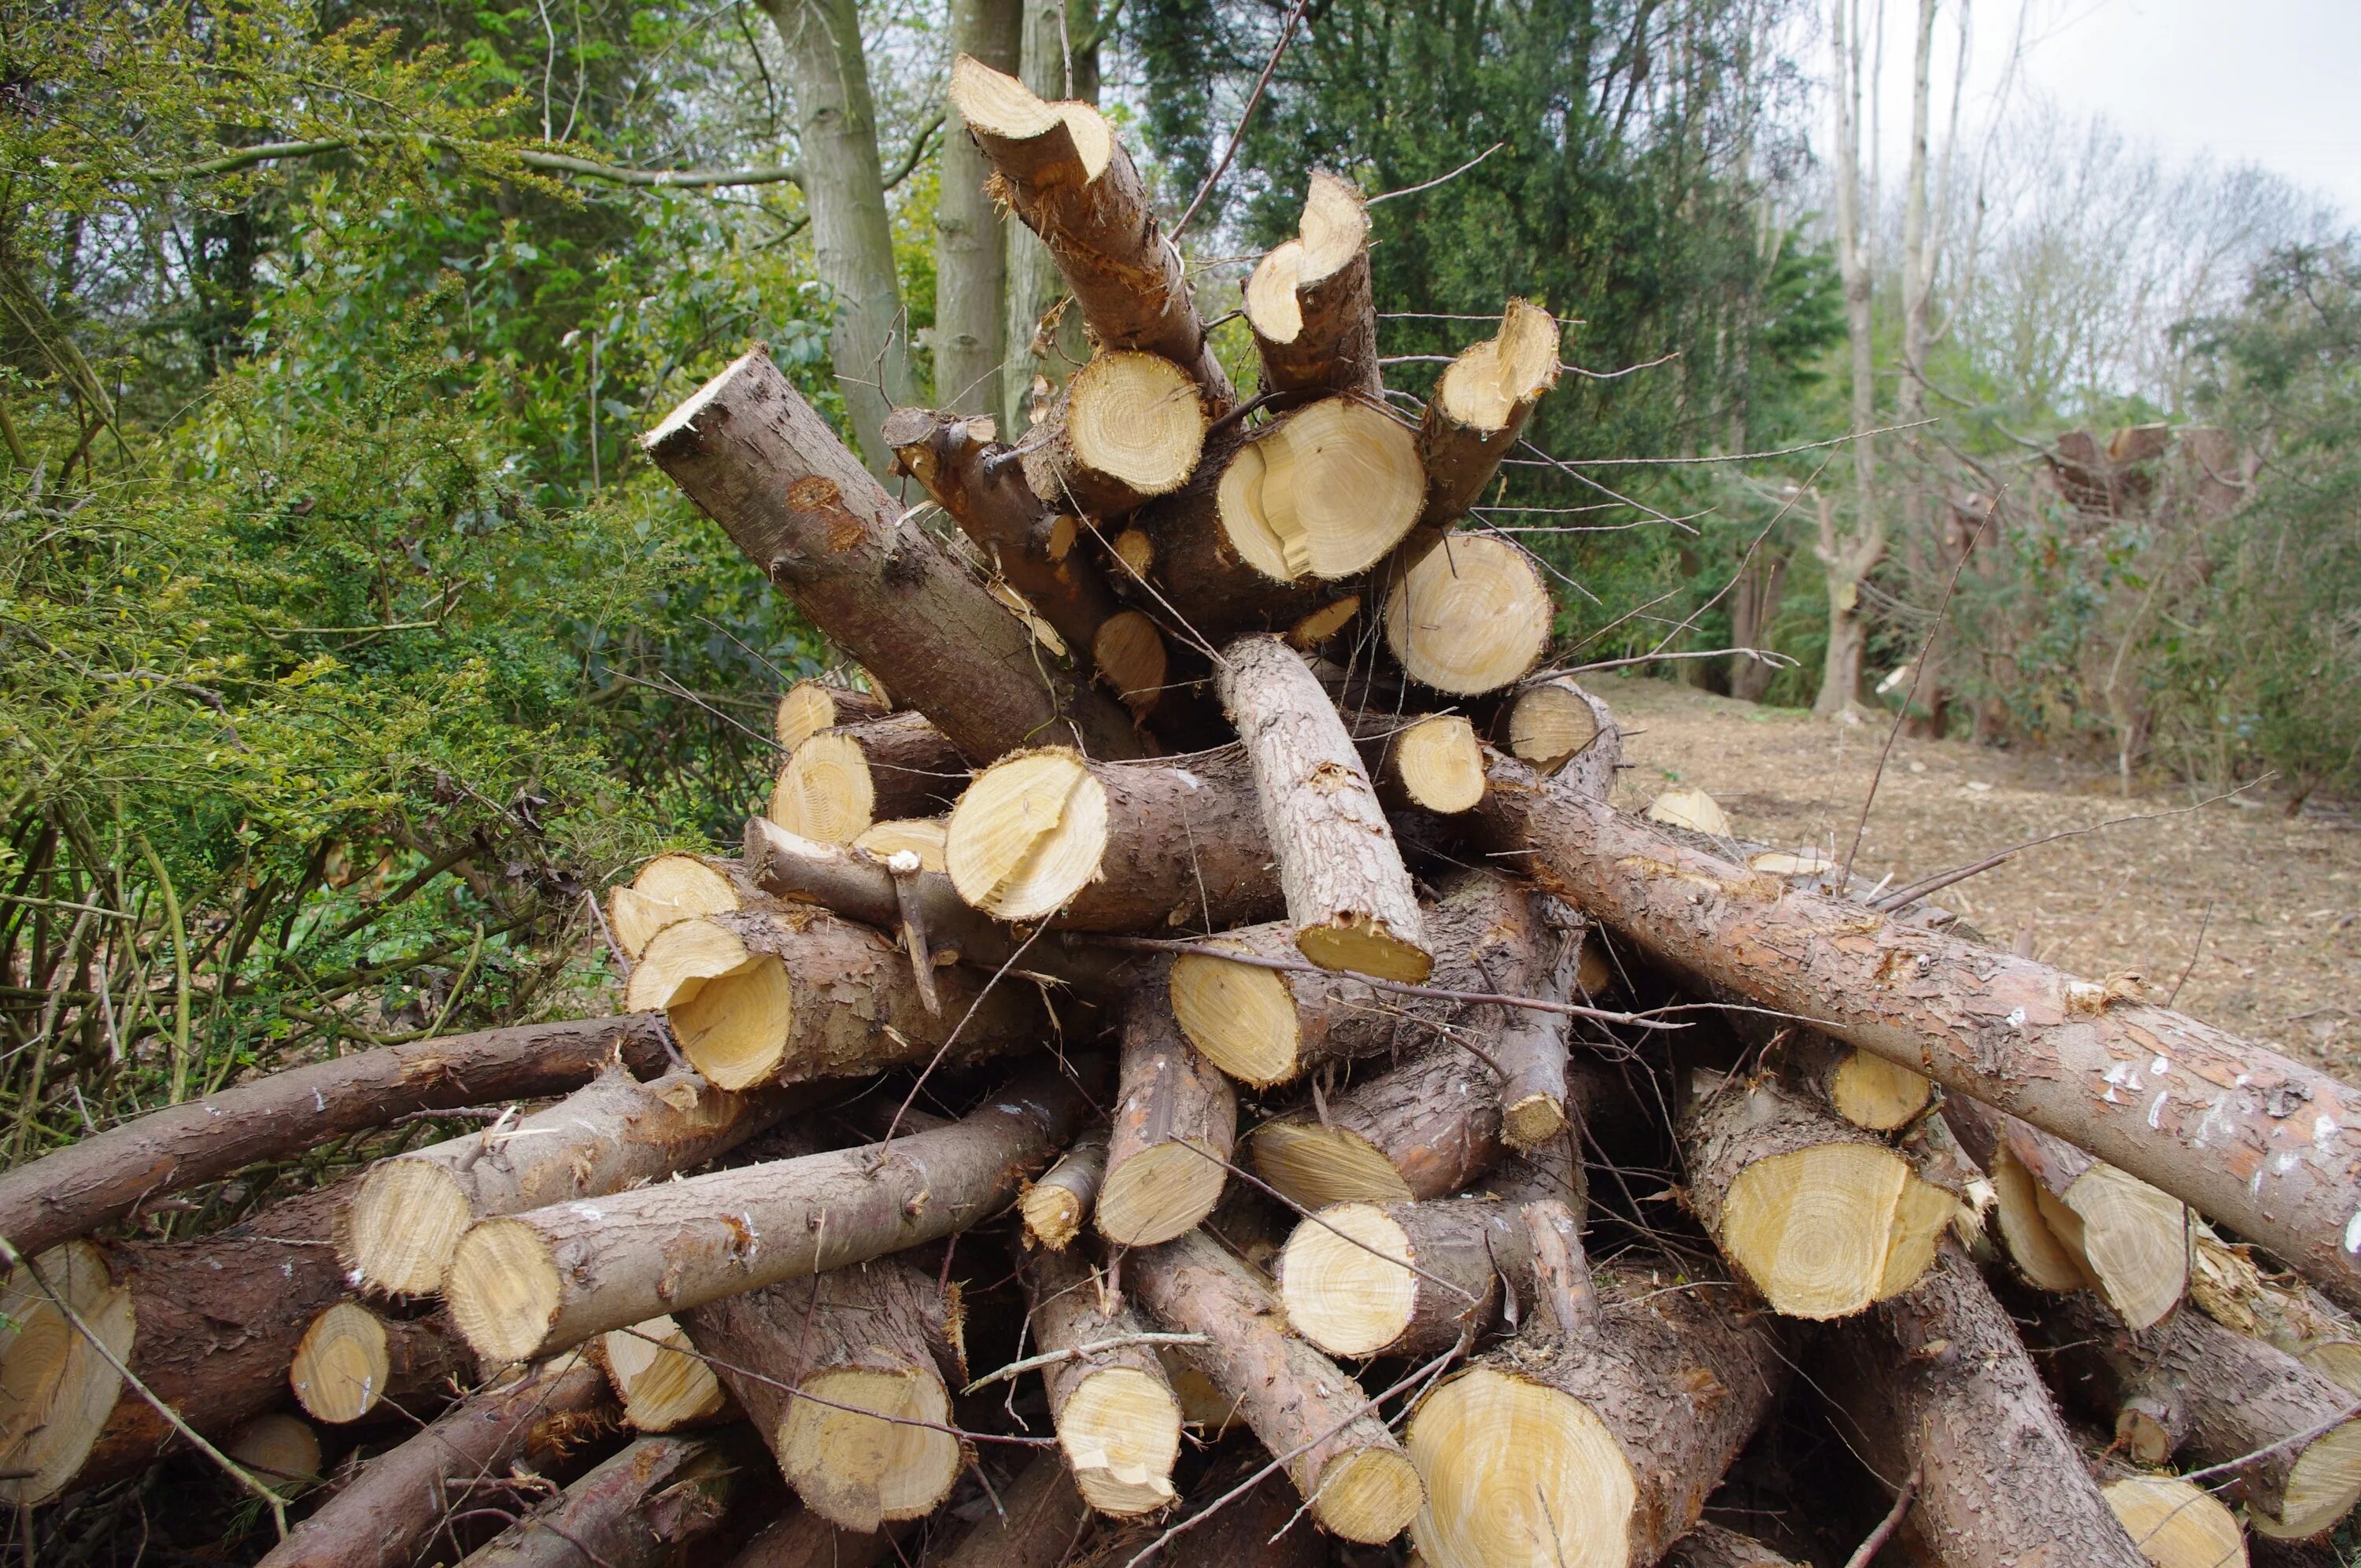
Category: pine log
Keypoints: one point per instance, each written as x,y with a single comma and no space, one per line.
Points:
868,1345
1424,1129
1936,1381
1867,1090
522,1285
1601,1452
757,460
2174,1524
1710,1546
1175,556
282,1451
350,1361
385,1516
1061,169
1308,300
397,1235
810,706
1038,1518
1301,1406
1432,763
1127,427
1117,1419
1262,1527
1479,409
1175,1123
920,836
790,997
840,782
109,1174
1553,721
1055,1207
669,888
658,1498
1326,491
1348,894
2225,1284
2250,1139
664,1385
1532,1048
1468,616
801,1539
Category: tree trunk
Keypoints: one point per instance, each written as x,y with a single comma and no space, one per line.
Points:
970,251
1308,300
1754,607
1039,1519
1531,1049
350,1361
1055,1207
759,461
1849,560
1480,407
672,888
1118,1420
1865,1090
659,1498
1552,722
1127,427
1175,1123
840,782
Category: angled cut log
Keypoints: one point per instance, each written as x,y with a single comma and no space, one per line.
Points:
350,1361
1175,1122
1308,300
1479,409
659,1498
1118,1420
1424,1129
839,783
657,1373
1550,721
669,888
1865,1090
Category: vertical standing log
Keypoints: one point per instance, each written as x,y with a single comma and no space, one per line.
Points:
1478,410
971,257
1175,1123
1118,1420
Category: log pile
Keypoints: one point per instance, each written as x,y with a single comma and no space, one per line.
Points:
1192,1062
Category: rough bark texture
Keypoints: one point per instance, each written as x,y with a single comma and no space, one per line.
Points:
801,1539
658,1498
1263,1527
1462,1250
1333,347
1531,1049
1174,1125
1463,452
1424,1129
108,1174
1041,1518
1710,1546
1122,1436
2250,1138
1936,1381
760,462
970,255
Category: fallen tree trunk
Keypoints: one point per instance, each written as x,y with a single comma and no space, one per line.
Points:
1118,1421
108,1174
1431,763
840,782
1055,1207
1301,1406
525,1284
657,1499
1174,1125
1037,1523
350,1361
664,1385
757,460
1308,300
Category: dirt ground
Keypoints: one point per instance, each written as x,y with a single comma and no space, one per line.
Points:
2281,958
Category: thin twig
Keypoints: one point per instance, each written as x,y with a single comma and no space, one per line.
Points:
2196,951
1431,185
1888,1525
2296,1440
1238,132
1075,1353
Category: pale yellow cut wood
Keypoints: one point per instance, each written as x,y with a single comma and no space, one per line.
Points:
1120,1428
1519,1475
1000,104
668,888
1823,1232
1439,764
56,1390
1315,1165
1324,492
664,1383
907,1469
921,836
2045,1261
1470,617
282,1449
1549,723
341,1367
1485,387
2128,1236
2175,1524
2322,1488
1690,808
1055,1207
732,1010
1335,226
1242,1016
825,792
1870,1091
1027,835
1130,656
1348,1285
1022,608
1132,426
1781,864
1325,622
1136,551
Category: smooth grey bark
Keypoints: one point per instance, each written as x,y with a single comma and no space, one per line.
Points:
970,240
1058,58
1850,556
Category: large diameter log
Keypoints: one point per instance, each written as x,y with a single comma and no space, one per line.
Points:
2248,1138
1480,407
1308,300
1935,1382
1128,426
1117,1419
1114,846
1055,1207
1040,1519
107,1174
1347,892
388,1514
758,460
2175,1524
1326,491
1300,1405
1176,556
1601,1451
522,1284
657,1499
790,997
1062,171
1470,616
398,1232
1174,1125
350,1361
664,1383
839,783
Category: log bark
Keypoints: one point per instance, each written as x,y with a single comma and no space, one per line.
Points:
657,1499
1118,1420
664,1385
1531,1048
1936,1381
1176,559
1710,1546
2248,1138
350,1361
1308,300
1040,1519
385,1516
1602,1452
758,460
1055,1207
1175,1123
1263,1527
970,255
801,1539
108,1174
1346,890
810,706
1424,1129
1478,410
1301,1406
554,1276
840,782
1551,722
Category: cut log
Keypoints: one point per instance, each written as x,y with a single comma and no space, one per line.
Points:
1176,558
664,1385
791,997
109,1174
1553,721
1936,1381
1101,846
840,782
1117,1418
1710,1546
350,1361
1362,1280
1175,1123
524,1284
385,1516
2224,1283
397,1235
1470,616
920,836
1308,300
1061,169
657,1499
2174,1524
810,706
1326,491
2252,1140
1531,1048
1434,763
1867,1090
1424,1129
1040,1519
1347,894
281,1449
1301,1406
1600,1453
1480,407
801,1539
1262,1527
758,460
1055,1207
668,888
870,1444
1127,427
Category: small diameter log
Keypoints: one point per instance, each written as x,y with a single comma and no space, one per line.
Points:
840,782
790,997
1363,1279
280,1449
921,836
758,460
801,1539
1710,1546
1470,616
1040,1519
522,1284
1300,1405
109,1174
1601,1452
868,1345
387,1514
1346,890
1480,407
668,888
1175,1123
2175,1524
1434,763
1062,171
1865,1090
1424,1129
1532,1048
1055,1207
350,1361
810,706
664,1385
1936,1381
1554,722
1108,846
1308,300
2189,1385
657,1499
397,1235
1128,426
2258,1143
1117,1418
1819,1217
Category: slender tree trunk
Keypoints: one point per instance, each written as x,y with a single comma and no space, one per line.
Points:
971,244
1918,259
1850,559
1053,34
